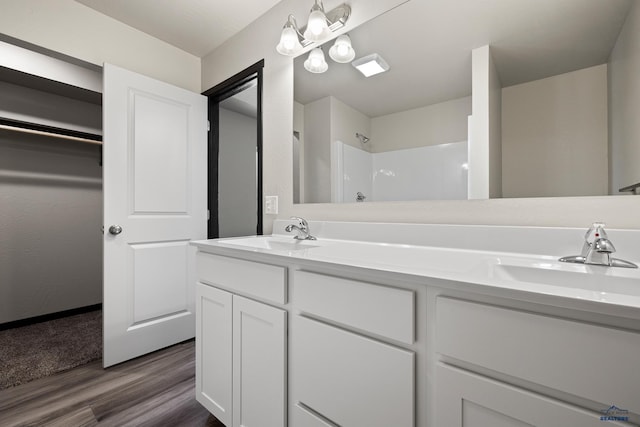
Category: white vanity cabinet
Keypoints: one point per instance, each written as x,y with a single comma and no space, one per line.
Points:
552,364
241,343
347,366
349,334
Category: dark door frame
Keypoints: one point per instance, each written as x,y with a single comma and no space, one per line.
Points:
215,95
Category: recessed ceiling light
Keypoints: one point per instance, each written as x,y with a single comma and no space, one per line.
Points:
371,65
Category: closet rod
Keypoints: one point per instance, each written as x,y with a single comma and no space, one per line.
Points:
45,133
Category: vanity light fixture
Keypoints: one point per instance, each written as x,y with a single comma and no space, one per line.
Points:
319,27
342,51
316,63
371,65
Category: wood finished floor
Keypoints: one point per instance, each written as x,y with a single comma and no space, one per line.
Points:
153,390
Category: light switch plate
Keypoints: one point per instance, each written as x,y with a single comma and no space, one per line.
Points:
271,205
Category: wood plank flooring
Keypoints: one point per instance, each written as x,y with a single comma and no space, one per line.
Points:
153,390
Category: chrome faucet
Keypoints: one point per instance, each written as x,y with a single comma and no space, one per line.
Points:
597,250
302,228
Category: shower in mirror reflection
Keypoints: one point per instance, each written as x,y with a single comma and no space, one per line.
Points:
363,139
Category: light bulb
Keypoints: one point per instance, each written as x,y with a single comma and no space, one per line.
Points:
316,63
341,51
289,44
317,28
317,22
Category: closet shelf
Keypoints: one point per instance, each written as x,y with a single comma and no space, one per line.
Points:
15,126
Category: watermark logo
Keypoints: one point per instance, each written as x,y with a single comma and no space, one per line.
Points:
613,413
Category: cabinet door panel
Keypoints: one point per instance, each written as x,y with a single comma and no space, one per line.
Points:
213,351
350,379
259,364
464,399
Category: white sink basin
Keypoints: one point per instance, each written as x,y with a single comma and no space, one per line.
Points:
604,280
272,243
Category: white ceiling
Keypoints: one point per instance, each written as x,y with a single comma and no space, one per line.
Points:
428,45
195,26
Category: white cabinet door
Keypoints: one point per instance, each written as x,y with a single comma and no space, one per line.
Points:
350,380
259,364
155,202
214,351
464,399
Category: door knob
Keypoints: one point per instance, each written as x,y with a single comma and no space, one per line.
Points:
115,229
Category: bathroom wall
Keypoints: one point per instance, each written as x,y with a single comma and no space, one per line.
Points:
430,125
434,172
237,207
258,41
346,122
552,126
485,151
317,151
73,29
624,104
50,208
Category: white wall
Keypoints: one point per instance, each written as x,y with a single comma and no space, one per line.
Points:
624,107
237,208
73,29
50,209
430,125
485,158
346,121
554,136
258,41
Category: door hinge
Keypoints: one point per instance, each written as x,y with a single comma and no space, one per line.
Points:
208,215
208,126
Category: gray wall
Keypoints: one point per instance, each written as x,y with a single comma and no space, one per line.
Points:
50,210
624,105
554,136
237,179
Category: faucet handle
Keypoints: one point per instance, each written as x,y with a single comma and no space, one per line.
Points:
596,229
301,221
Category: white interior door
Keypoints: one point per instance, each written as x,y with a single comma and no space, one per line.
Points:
155,202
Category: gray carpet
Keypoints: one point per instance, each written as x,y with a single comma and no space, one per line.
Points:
42,349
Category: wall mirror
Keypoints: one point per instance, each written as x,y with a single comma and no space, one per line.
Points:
402,134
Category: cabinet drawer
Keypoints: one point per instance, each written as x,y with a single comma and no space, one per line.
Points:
245,277
350,379
381,310
465,399
594,362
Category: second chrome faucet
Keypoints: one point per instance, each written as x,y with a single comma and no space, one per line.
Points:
597,250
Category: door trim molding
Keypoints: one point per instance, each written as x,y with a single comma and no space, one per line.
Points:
215,95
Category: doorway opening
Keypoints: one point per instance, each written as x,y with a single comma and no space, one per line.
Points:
50,215
235,155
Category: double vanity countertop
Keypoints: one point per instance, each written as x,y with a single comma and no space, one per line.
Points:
608,289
